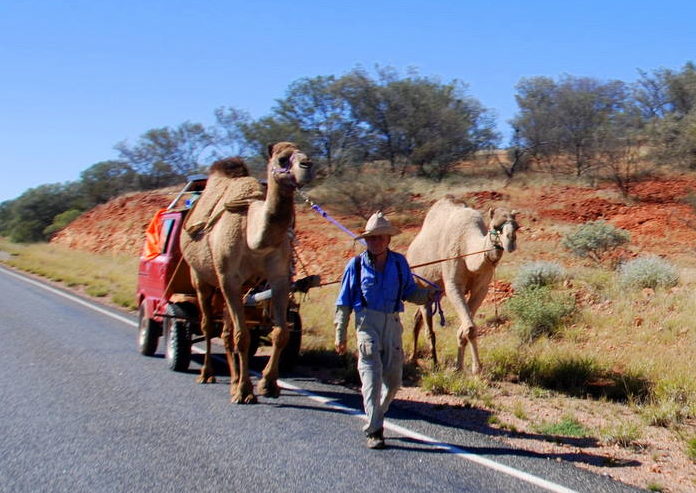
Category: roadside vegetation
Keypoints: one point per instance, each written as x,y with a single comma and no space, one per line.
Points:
110,277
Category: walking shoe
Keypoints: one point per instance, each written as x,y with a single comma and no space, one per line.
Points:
375,440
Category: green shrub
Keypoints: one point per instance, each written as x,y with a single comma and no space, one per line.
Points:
648,272
568,426
503,362
570,375
370,190
62,220
538,274
691,448
454,383
538,312
594,239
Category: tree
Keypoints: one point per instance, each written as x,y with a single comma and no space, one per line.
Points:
165,156
575,118
228,134
667,100
105,180
268,130
314,107
33,211
418,120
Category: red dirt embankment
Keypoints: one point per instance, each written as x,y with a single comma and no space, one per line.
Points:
657,218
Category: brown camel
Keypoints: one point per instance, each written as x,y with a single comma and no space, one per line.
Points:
236,237
451,229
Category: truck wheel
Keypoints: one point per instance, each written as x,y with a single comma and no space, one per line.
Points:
148,332
291,352
178,339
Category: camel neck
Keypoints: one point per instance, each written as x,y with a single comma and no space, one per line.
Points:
279,199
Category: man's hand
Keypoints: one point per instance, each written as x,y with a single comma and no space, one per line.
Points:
341,348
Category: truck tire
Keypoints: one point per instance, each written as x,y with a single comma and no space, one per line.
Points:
148,332
178,339
291,352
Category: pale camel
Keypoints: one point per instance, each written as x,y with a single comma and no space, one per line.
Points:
451,229
235,237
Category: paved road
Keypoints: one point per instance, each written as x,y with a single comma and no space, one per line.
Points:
82,411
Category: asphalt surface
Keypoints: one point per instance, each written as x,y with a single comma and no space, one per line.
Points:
83,411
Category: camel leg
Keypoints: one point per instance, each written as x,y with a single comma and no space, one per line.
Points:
268,385
232,359
237,349
475,300
457,298
417,324
428,316
205,297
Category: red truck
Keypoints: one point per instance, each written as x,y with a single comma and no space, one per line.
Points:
166,299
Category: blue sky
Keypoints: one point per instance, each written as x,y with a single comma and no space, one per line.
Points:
80,76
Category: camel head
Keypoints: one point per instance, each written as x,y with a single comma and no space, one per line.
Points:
503,228
289,166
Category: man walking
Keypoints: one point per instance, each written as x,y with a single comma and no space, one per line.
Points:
375,284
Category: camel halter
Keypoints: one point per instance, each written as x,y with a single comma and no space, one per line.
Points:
494,234
279,172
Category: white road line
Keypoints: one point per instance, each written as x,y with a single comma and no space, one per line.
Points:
71,297
460,452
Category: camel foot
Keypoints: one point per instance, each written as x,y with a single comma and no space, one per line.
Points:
240,398
476,370
242,393
268,388
206,379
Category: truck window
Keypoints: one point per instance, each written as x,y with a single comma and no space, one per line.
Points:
167,228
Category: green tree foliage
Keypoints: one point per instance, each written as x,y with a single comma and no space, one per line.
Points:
105,180
61,220
343,122
260,133
578,118
417,120
165,156
228,133
28,216
315,107
667,99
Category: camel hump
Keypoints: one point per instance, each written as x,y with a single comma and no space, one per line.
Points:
232,167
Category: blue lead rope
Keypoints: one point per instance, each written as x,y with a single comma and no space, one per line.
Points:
326,216
436,306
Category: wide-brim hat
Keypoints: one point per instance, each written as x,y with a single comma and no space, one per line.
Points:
378,225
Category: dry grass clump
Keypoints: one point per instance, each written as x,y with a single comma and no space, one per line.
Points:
108,276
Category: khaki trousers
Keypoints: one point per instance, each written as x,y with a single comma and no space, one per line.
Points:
380,362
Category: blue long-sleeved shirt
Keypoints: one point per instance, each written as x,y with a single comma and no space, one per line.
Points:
380,289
